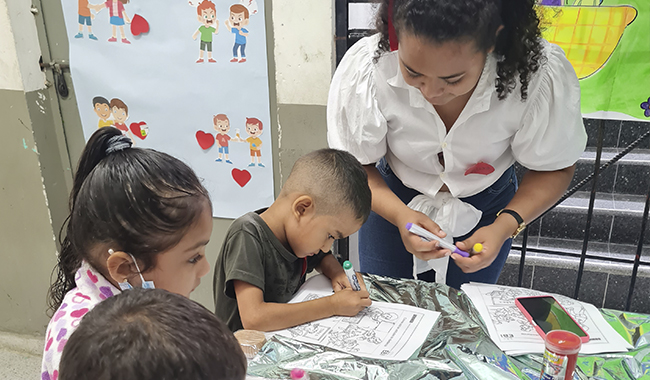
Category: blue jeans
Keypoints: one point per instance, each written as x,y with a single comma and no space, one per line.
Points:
381,250
236,47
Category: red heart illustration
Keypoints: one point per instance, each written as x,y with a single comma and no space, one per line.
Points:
241,176
139,25
140,130
206,140
480,168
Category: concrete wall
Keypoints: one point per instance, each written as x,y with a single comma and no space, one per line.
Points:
27,245
38,152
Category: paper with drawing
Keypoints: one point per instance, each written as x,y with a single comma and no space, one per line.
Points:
386,331
511,331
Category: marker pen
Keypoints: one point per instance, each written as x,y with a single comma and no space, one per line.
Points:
352,277
421,232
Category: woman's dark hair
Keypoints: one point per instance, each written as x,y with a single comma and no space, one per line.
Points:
517,46
149,334
140,201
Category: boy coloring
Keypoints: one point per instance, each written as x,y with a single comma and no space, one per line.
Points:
222,126
85,18
254,130
207,16
103,110
266,254
236,23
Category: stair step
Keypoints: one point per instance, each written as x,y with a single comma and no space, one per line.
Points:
616,134
602,284
595,249
620,227
622,204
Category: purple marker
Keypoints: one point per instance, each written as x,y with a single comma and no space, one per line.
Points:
428,236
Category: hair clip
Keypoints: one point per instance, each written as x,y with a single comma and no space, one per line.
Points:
118,143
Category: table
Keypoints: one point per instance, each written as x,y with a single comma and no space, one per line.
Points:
458,347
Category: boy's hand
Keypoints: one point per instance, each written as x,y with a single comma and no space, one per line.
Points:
349,303
340,282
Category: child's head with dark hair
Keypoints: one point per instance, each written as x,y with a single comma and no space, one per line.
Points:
150,334
102,107
326,197
132,204
509,28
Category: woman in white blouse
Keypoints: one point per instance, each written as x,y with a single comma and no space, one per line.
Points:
439,124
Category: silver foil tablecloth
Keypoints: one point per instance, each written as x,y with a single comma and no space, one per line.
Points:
458,347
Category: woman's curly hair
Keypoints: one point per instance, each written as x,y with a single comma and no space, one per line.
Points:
518,45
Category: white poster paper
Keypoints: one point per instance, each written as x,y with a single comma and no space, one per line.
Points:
515,335
188,78
387,331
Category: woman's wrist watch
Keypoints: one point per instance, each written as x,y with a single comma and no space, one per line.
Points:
517,217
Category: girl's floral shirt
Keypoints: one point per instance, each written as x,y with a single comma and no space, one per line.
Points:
92,288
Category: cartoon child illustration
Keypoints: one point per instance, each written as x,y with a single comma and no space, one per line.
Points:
254,130
238,19
222,126
117,17
85,18
103,110
120,114
207,16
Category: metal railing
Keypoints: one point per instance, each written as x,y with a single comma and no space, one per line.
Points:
345,38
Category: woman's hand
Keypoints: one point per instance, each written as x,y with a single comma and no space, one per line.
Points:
425,250
492,238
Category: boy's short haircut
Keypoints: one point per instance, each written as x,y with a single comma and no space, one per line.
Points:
149,334
239,8
254,121
334,179
220,117
99,100
115,102
204,5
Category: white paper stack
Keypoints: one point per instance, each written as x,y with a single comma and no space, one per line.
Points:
386,331
515,335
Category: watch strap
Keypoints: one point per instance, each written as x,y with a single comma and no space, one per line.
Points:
517,217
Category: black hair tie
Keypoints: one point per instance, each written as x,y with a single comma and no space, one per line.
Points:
118,143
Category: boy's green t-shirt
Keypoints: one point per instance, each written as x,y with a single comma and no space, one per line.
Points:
206,33
251,253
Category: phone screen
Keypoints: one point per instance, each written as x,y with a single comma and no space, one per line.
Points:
548,315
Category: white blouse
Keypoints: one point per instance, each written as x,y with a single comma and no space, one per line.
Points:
372,113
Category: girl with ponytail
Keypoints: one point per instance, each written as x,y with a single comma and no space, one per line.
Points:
438,106
138,218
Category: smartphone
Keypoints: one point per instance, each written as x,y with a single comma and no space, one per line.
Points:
546,314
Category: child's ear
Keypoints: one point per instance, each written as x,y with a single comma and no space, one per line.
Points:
303,206
120,266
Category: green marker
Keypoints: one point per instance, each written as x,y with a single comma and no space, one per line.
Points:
352,276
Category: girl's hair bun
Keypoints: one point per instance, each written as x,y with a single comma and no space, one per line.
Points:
118,143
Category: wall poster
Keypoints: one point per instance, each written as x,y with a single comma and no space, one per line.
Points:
608,44
189,78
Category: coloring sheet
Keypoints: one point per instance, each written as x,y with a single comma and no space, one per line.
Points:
511,331
185,77
386,331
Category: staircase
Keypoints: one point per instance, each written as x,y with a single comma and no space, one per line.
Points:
615,228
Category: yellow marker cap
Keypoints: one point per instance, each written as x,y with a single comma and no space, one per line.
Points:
478,247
